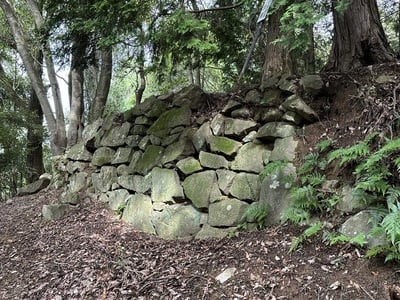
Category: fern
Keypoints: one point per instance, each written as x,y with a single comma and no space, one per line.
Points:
309,232
375,183
315,179
351,154
390,147
295,215
256,213
324,145
333,239
391,225
310,162
274,167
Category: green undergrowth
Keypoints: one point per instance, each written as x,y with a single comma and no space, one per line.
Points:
375,165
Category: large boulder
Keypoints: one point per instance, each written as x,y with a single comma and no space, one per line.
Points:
251,158
227,212
54,211
34,187
201,188
135,183
284,149
170,119
177,221
166,186
138,213
246,186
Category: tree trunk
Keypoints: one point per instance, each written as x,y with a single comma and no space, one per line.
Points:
277,59
103,86
34,156
57,131
359,39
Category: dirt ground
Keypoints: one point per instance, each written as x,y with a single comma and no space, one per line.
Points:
90,254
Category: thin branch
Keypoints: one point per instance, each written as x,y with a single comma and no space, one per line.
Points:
216,8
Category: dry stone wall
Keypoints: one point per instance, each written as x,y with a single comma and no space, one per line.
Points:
176,171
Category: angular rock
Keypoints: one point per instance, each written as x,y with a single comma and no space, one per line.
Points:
208,232
54,211
271,97
68,197
91,130
251,158
78,182
201,188
212,161
192,95
227,212
139,130
223,145
143,120
135,183
312,84
284,149
246,186
217,125
253,96
266,115
177,221
292,117
225,180
178,150
150,158
103,181
275,193
79,152
172,118
242,113
123,155
231,106
144,142
189,165
360,224
349,202
117,199
166,186
136,156
138,213
116,136
103,156
238,128
34,187
296,104
201,136
226,275
271,131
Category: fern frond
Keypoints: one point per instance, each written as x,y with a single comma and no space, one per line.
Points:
295,215
304,197
274,167
393,195
351,154
390,147
391,223
374,183
315,179
324,145
310,162
397,163
309,232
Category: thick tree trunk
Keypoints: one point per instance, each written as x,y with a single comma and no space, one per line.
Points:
103,86
277,59
34,156
359,39
58,133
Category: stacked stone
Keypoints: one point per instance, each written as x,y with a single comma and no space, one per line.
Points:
180,176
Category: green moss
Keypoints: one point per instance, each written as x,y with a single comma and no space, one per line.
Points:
224,145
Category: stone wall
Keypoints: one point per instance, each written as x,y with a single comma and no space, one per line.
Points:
176,170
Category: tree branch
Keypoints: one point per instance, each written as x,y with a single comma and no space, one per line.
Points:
217,8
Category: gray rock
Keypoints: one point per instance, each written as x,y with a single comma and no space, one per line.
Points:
360,224
143,120
292,117
217,125
231,106
225,180
201,188
296,104
226,275
349,202
246,186
166,186
287,84
201,136
223,145
312,84
116,136
251,158
103,156
208,232
34,187
69,197
212,161
191,95
150,158
144,142
135,183
78,182
189,165
54,211
79,152
271,97
242,113
117,199
91,130
271,131
177,151
133,141
177,221
266,115
123,155
238,128
136,156
275,192
227,212
138,213
103,181
139,130
253,96
170,119
284,149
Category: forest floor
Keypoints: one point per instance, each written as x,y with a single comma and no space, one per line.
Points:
91,254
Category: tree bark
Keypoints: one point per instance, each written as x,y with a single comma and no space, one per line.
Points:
359,38
277,58
103,86
57,131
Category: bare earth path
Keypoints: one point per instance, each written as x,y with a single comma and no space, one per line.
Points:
89,254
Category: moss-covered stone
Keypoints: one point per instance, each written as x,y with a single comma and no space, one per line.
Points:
103,156
246,186
150,158
201,187
223,145
172,118
189,165
227,212
213,161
